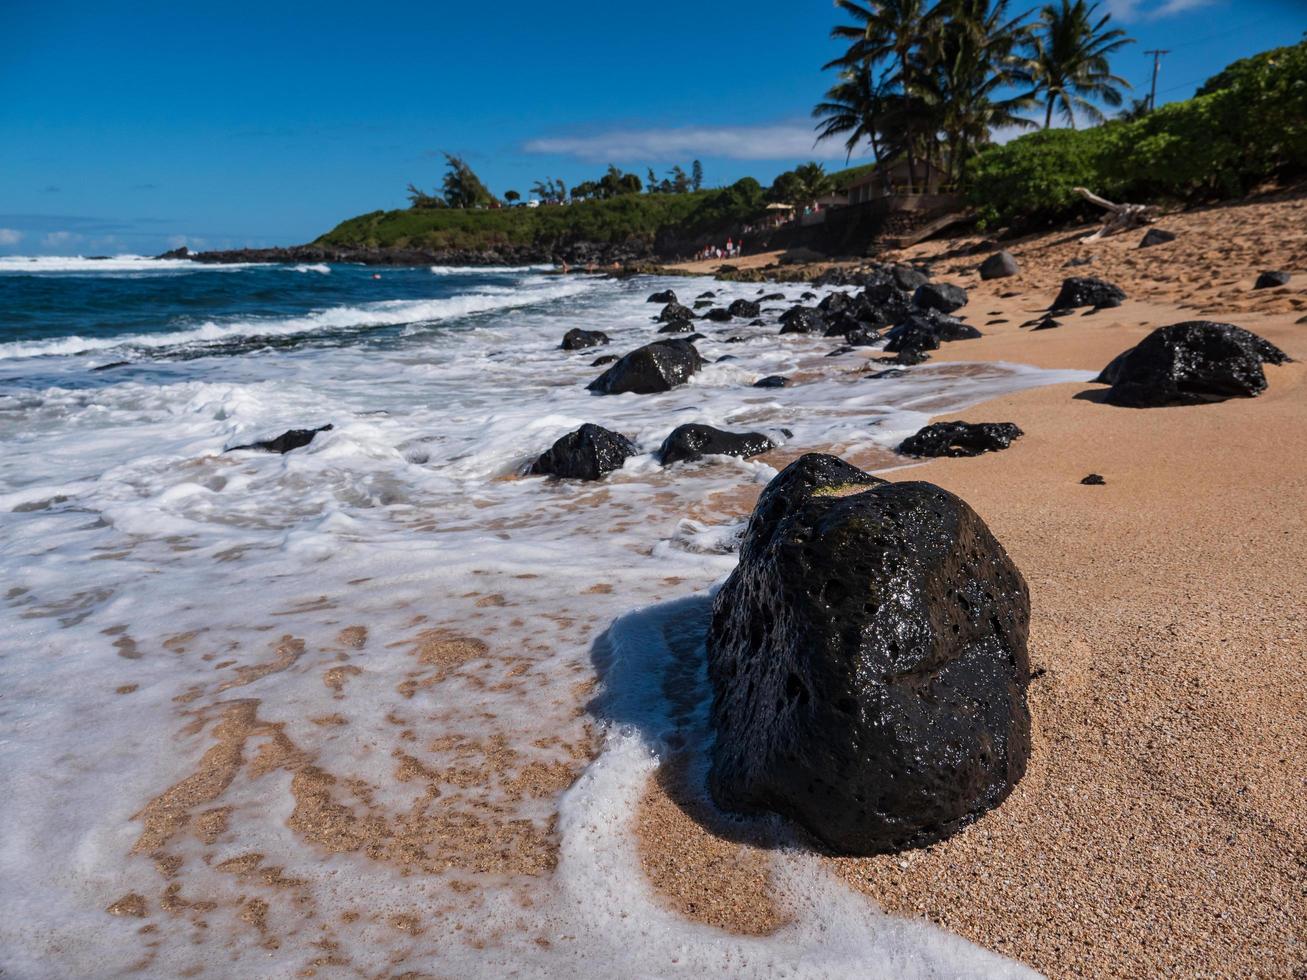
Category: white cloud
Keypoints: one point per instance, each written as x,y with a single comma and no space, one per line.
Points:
8,236
1131,10
782,141
60,239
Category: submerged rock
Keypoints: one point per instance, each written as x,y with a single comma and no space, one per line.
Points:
1269,280
907,357
603,359
666,296
942,296
999,266
694,441
719,314
1188,364
1087,291
655,367
744,307
803,319
1156,236
586,454
960,439
577,339
868,662
677,326
288,440
772,381
675,311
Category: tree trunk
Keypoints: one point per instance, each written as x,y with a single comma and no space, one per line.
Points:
1048,114
910,129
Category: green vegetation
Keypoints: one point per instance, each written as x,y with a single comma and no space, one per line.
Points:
1069,63
612,220
801,186
1247,124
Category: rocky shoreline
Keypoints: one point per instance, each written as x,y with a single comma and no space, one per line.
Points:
579,254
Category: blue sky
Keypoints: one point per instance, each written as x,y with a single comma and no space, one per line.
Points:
134,127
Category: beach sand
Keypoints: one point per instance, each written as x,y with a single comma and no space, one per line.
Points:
1160,827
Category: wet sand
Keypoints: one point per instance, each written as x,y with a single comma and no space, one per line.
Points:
1160,828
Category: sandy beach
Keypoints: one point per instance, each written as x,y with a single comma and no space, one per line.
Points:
1160,828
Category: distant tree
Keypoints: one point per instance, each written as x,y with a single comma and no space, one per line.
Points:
1069,60
584,190
696,175
462,187
1137,109
801,186
651,181
680,180
511,196
550,191
420,200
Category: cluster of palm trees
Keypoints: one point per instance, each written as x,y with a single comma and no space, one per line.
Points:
929,82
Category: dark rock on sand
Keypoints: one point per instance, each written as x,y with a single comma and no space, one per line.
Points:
907,277
1000,265
942,296
694,441
718,314
803,319
1269,280
655,367
960,439
1093,480
1155,236
586,454
1087,291
675,311
906,358
288,440
868,662
772,381
926,331
577,339
1190,363
666,296
605,359
744,307
840,324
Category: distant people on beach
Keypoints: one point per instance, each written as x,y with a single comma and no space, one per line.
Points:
732,250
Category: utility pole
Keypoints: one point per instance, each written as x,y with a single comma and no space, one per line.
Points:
1157,58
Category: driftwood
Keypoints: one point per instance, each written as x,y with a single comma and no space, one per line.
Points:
1119,217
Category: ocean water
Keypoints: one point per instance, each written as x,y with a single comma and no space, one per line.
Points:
382,705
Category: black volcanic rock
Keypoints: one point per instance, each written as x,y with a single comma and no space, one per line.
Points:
1190,363
803,319
744,308
675,311
666,296
841,323
1156,236
835,303
1269,280
288,440
603,359
1087,291
908,278
577,339
868,662
677,326
718,314
694,441
999,266
960,439
1093,480
927,331
862,337
772,298
906,358
655,367
772,381
942,296
586,454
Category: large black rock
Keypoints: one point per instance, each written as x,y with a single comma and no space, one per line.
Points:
1269,280
694,441
803,319
942,296
578,339
720,314
1156,236
1000,265
1087,291
926,331
586,454
745,308
666,296
659,366
842,323
1190,363
836,303
907,278
960,439
675,311
288,440
888,302
868,662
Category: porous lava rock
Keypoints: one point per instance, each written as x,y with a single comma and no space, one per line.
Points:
926,332
1093,480
1087,291
675,311
677,326
868,662
942,296
744,308
586,454
720,314
665,296
1000,265
288,440
578,339
803,319
694,441
659,366
603,359
1188,364
960,439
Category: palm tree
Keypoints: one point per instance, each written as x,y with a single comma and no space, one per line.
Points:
1137,109
1069,52
974,81
894,31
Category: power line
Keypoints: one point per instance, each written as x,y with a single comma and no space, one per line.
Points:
1157,60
